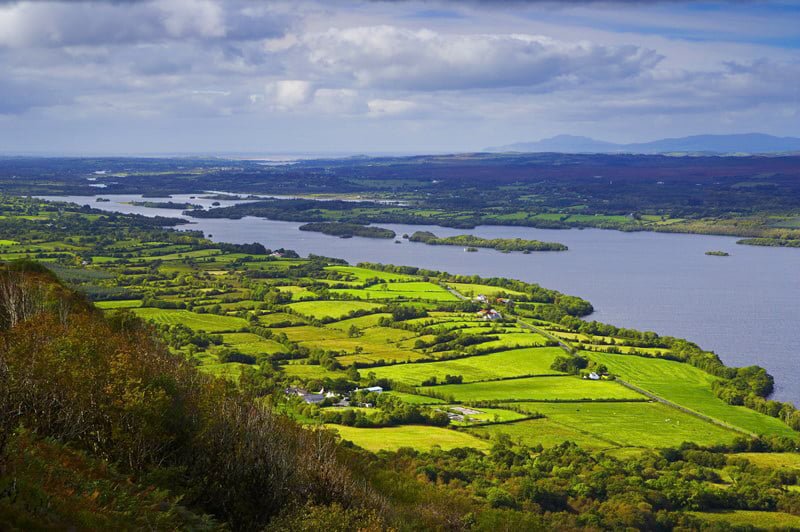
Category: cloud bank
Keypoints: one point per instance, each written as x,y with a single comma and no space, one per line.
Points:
384,70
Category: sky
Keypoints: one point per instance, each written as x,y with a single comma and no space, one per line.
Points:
337,76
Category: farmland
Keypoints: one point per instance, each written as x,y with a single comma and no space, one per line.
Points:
529,361
535,389
393,438
318,323
414,362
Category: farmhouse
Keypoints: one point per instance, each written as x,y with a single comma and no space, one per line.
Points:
311,398
481,298
490,315
594,376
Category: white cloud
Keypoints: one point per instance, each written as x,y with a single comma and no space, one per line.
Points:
53,24
193,17
288,94
391,57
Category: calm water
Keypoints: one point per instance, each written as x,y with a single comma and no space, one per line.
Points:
745,307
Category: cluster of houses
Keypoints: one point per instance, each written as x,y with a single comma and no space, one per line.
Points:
339,400
501,300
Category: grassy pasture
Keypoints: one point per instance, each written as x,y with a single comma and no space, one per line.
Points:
415,436
415,399
689,387
566,388
372,354
299,293
362,274
772,460
207,322
542,431
251,344
279,317
180,255
308,371
530,361
121,303
382,295
309,333
385,335
362,322
749,518
514,340
634,424
337,340
330,309
472,290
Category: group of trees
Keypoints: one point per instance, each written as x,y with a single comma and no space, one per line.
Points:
110,388
387,411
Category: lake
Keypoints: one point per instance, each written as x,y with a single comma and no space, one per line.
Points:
744,307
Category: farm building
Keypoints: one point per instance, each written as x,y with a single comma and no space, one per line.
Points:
490,315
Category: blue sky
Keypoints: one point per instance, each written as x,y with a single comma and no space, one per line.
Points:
214,76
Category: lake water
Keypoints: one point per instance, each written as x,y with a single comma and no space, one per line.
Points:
744,307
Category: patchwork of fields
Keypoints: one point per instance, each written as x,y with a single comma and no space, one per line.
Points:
313,324
502,369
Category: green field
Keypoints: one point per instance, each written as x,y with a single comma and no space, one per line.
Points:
205,322
252,344
400,290
309,371
536,388
414,436
330,309
122,303
759,520
415,399
543,432
362,274
530,361
772,460
361,322
634,424
689,387
473,290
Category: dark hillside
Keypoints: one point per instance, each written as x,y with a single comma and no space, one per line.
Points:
76,384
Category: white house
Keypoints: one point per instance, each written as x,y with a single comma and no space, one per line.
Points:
490,315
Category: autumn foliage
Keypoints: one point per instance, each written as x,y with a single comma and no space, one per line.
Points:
110,388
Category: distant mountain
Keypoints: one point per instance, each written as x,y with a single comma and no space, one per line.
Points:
739,143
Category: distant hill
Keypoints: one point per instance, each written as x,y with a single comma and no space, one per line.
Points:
739,143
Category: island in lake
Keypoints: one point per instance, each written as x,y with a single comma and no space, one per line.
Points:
718,253
348,230
470,242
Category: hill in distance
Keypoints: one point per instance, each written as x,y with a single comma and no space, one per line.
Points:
738,143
